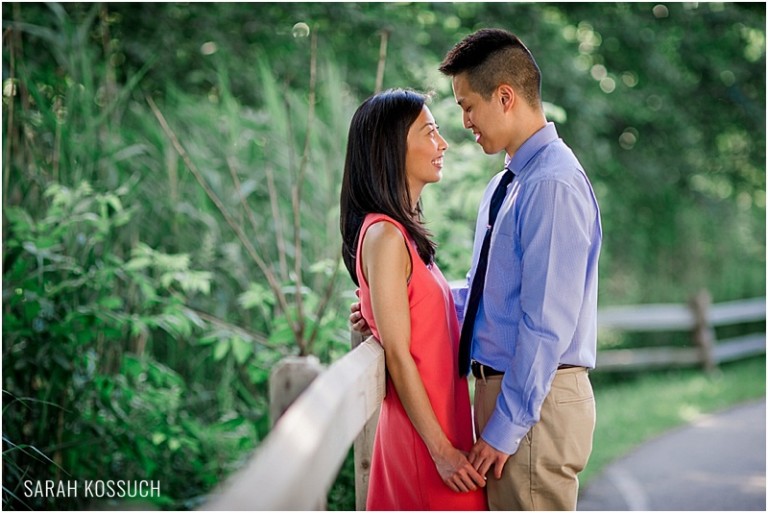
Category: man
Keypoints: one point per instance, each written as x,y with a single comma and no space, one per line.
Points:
531,324
534,333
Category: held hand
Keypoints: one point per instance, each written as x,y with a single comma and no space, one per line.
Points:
457,472
357,321
483,456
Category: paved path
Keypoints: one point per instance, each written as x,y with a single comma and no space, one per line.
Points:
716,463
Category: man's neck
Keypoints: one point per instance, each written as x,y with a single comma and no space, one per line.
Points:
529,127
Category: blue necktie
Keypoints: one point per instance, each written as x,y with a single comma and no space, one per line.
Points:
478,281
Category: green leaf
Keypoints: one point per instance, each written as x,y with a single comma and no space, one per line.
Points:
112,200
166,262
131,366
111,302
257,295
194,281
174,444
241,349
138,263
220,350
325,266
20,221
175,324
282,334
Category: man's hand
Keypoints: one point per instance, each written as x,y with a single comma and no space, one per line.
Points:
483,457
357,321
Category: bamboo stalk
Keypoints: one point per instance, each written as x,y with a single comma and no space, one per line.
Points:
11,108
110,81
382,59
278,221
324,302
57,138
247,209
296,197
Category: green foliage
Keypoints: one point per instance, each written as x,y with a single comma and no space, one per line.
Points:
680,161
75,326
341,496
103,289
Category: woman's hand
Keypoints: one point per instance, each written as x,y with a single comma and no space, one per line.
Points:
456,471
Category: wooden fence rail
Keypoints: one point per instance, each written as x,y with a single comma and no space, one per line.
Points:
699,318
295,466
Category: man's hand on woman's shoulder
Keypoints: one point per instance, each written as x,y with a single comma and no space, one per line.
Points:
357,322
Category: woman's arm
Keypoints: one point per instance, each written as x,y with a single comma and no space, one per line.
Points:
387,266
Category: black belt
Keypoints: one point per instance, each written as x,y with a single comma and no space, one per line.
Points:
480,371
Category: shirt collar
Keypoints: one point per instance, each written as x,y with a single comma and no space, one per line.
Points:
530,148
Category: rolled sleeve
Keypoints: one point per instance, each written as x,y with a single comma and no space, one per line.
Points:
502,434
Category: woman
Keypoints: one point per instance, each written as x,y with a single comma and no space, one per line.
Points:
394,149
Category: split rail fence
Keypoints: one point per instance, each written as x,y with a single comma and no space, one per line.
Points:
324,412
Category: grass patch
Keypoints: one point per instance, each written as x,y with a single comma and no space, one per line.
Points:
646,405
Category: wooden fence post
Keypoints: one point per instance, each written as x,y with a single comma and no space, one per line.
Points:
703,332
363,447
287,381
290,377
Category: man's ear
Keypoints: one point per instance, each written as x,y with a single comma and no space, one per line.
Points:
507,96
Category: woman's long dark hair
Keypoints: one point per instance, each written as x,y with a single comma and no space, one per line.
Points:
374,171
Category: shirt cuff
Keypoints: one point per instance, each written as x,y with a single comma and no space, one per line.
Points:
460,301
502,434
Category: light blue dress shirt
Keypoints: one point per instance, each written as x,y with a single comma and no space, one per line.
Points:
539,307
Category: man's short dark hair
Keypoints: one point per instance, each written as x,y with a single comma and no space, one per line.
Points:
491,57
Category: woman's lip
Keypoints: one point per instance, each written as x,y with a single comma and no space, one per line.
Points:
477,136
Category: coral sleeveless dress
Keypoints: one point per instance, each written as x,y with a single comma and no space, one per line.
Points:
403,475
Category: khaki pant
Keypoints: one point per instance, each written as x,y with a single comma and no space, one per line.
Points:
543,473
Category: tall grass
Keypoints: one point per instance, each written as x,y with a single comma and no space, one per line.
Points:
135,313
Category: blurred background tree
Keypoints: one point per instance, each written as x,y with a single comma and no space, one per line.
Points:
170,198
